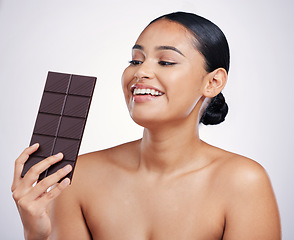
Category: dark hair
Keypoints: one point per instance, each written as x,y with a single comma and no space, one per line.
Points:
211,42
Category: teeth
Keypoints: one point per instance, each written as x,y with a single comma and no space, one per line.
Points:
153,92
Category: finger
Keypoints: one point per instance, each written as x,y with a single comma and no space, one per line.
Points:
19,163
40,190
55,192
32,176
34,172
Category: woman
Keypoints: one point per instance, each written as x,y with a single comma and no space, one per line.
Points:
169,184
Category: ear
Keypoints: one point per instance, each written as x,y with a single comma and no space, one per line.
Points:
215,82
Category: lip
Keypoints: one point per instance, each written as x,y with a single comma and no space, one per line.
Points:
143,98
143,86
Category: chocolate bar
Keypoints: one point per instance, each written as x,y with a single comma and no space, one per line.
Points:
61,120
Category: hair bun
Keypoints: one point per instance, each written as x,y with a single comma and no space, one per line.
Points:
216,111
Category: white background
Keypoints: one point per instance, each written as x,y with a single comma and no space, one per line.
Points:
95,38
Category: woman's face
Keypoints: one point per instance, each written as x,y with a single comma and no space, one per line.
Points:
164,80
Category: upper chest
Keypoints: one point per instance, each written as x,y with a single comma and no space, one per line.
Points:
132,208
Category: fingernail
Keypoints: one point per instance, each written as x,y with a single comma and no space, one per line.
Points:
35,144
58,155
65,182
68,168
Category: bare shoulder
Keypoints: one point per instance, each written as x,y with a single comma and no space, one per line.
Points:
110,153
234,169
239,169
100,164
251,209
242,177
96,169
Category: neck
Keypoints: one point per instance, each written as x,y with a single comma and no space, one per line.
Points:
170,149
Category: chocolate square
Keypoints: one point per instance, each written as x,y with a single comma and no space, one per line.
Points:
71,127
57,82
46,144
52,103
76,106
46,124
69,148
81,85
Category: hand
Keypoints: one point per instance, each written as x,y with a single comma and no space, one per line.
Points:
33,201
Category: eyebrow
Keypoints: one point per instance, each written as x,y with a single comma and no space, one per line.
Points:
137,46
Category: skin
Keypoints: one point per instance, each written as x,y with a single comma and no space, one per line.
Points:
167,185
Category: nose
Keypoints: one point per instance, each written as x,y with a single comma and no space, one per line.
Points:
144,71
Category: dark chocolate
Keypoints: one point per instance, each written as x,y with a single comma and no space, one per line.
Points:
61,120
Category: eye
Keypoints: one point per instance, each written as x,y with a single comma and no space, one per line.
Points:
164,63
135,62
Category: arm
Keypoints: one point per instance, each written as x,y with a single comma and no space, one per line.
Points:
252,212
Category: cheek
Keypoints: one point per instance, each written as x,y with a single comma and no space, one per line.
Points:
184,83
126,81
184,90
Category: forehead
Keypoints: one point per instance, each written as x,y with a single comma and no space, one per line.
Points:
166,32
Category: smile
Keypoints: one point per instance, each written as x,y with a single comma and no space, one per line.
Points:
146,91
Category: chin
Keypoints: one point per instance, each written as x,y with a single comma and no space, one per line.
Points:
143,121
147,120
